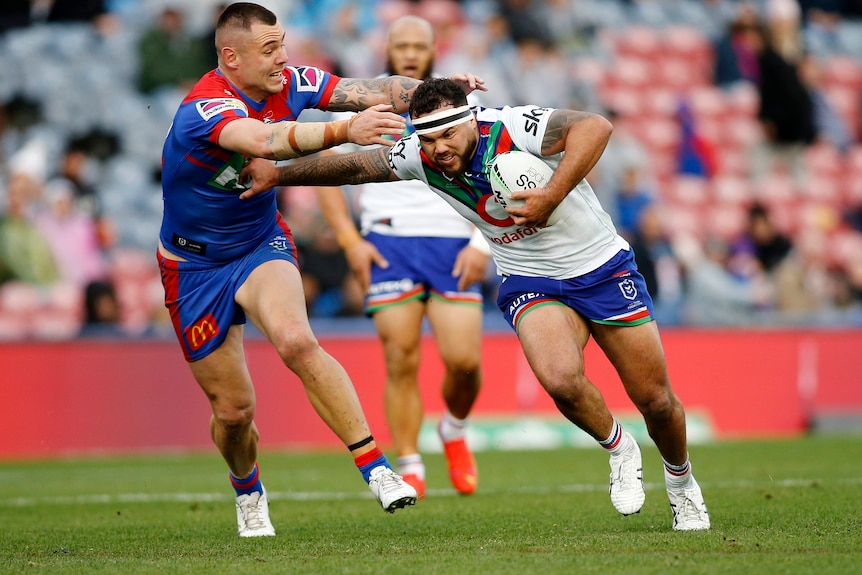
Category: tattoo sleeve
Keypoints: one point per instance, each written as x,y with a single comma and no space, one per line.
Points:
339,169
354,95
558,128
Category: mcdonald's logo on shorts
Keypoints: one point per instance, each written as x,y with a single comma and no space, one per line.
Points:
201,331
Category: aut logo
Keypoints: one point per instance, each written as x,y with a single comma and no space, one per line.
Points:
201,331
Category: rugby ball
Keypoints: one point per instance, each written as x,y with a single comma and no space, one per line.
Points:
515,171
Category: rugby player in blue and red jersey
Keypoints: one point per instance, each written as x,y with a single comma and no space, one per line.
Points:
224,260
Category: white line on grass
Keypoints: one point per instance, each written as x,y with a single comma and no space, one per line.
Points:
343,496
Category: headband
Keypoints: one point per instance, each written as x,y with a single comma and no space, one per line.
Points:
442,120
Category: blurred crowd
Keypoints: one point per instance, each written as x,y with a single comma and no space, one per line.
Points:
734,170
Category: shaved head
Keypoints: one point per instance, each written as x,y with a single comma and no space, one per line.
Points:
238,18
413,25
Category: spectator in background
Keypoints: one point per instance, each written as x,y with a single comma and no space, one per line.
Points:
623,150
786,113
784,19
169,56
524,22
633,199
658,263
695,156
25,254
101,311
78,168
19,116
71,234
714,295
763,240
735,58
828,123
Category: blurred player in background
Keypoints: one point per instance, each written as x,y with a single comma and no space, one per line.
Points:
415,259
563,283
224,260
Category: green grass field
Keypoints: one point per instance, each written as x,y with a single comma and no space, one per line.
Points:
782,506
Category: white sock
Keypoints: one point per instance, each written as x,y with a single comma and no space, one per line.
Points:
617,441
677,476
411,465
452,428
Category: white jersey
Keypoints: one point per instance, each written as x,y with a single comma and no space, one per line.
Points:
581,240
408,208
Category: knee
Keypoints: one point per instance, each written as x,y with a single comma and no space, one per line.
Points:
295,346
464,370
402,360
234,420
660,405
566,387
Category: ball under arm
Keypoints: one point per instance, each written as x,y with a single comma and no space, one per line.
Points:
295,139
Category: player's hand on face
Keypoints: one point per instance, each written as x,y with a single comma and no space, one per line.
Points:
469,82
469,267
263,175
360,256
536,210
374,124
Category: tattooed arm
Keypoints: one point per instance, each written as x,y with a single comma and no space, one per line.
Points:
330,170
354,95
583,137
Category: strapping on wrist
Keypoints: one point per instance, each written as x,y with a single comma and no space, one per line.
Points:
348,238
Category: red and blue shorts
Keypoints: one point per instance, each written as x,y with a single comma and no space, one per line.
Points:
200,296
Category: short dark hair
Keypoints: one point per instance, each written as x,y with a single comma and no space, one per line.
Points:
244,14
436,93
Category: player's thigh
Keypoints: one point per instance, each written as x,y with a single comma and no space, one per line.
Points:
273,300
457,330
637,355
223,374
399,327
553,339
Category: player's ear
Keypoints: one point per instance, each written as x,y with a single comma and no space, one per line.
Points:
229,56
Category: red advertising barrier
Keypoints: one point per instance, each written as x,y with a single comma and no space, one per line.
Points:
94,396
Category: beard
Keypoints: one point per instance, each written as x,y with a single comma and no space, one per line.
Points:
423,74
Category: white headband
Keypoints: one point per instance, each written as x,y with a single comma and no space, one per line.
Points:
442,120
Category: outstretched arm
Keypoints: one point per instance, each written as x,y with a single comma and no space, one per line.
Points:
354,94
331,170
285,140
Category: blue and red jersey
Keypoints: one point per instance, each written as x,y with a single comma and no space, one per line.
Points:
204,220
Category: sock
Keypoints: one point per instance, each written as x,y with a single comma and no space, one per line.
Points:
616,441
368,461
452,428
411,465
248,484
677,476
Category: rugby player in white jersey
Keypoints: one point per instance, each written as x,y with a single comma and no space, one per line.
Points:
414,257
563,283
